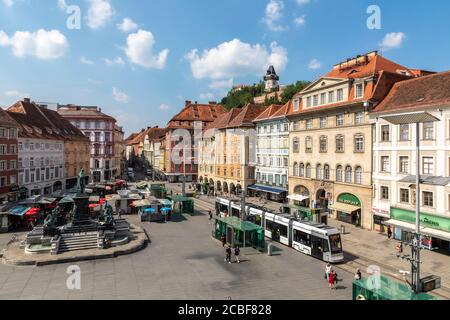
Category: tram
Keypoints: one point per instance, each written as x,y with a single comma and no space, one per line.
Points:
314,239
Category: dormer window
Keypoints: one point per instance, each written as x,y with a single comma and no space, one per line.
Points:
323,98
316,100
308,102
359,90
296,105
340,95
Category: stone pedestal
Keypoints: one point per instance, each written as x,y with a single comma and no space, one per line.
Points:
81,216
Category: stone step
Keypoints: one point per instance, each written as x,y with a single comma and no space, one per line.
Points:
76,242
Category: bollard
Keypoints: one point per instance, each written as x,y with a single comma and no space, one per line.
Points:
269,250
342,229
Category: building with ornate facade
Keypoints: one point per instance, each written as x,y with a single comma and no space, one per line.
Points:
99,128
395,161
8,158
331,137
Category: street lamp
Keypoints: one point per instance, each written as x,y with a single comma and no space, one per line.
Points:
414,118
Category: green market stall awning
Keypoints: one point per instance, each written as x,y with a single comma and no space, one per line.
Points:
239,224
387,289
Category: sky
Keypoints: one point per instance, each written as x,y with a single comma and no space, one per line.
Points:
140,60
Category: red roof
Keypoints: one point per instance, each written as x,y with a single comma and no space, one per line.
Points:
196,112
272,112
419,93
245,118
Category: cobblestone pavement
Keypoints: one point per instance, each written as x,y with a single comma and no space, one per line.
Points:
181,262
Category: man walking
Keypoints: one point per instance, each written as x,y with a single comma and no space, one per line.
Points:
389,232
210,216
223,240
237,252
228,252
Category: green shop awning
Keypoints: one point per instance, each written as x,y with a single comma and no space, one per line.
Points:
388,289
238,224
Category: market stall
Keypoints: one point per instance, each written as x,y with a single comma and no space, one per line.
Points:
182,205
239,232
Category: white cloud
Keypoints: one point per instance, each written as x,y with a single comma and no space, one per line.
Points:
99,13
273,14
85,60
207,96
303,2
42,44
116,61
139,51
222,84
236,58
393,40
300,21
164,107
314,64
62,5
127,25
8,3
120,96
16,94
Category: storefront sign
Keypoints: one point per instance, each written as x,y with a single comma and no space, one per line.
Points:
349,198
426,220
381,212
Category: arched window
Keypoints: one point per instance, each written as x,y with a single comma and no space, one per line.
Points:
319,175
348,174
326,172
296,145
302,170
358,175
295,169
339,174
308,170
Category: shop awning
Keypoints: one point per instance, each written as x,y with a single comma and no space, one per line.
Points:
412,227
345,208
262,188
298,197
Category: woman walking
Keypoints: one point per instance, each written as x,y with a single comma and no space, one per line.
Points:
237,252
331,280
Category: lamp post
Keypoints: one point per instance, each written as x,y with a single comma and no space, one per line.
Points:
414,118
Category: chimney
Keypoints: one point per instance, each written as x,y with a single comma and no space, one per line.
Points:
26,100
188,102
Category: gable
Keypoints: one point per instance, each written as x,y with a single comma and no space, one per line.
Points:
324,82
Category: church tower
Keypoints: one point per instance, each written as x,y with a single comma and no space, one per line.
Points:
271,80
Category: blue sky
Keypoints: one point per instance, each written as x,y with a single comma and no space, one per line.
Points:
169,51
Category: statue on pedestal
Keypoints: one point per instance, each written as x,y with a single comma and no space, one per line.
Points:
50,222
81,186
107,218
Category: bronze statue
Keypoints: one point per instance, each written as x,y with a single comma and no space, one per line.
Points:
107,218
81,187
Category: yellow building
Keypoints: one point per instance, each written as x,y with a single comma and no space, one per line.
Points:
76,157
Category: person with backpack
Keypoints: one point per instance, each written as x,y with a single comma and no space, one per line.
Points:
237,252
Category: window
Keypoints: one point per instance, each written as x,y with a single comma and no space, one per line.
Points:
358,175
3,165
286,127
326,172
295,169
340,144
359,92
385,133
339,174
340,95
404,196
428,200
302,170
308,170
428,131
296,125
296,105
384,193
316,100
308,102
348,174
404,132
296,145
359,116
404,165
3,132
323,144
428,166
331,97
285,162
319,175
308,145
323,98
323,122
2,149
340,120
309,124
359,143
13,165
385,164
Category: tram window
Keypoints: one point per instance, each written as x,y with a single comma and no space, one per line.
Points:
283,230
269,226
302,238
326,248
336,243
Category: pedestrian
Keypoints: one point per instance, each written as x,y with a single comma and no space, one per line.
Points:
210,216
331,280
335,277
358,275
228,251
237,252
223,240
389,232
327,271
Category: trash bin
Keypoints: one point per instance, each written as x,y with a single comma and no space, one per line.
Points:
269,249
343,229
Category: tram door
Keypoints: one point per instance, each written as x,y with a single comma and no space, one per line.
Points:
316,247
230,235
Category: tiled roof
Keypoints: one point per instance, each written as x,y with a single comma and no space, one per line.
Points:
245,118
197,112
270,112
223,121
6,119
71,111
418,93
42,123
